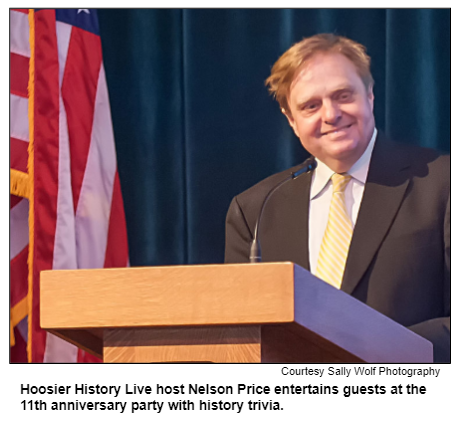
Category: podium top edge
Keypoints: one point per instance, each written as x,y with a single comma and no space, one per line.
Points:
198,266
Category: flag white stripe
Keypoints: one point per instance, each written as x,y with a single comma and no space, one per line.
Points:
59,351
63,31
94,204
19,227
23,328
19,121
65,254
19,33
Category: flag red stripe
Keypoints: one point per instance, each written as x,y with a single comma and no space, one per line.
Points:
46,160
84,357
19,74
79,85
18,353
14,200
19,154
18,277
116,254
17,93
26,11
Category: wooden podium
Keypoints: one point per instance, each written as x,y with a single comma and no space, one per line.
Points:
265,312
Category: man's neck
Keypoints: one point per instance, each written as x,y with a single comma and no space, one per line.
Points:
343,166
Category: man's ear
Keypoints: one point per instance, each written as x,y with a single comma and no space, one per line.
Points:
370,95
292,123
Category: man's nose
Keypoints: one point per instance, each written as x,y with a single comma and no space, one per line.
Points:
331,112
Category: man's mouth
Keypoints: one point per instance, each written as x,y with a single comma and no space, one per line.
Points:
336,130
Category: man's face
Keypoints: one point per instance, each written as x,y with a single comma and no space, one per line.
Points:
331,110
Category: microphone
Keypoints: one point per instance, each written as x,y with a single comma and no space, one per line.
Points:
307,166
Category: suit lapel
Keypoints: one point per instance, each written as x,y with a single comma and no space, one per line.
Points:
386,184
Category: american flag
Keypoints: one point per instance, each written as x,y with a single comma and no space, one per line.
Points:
63,164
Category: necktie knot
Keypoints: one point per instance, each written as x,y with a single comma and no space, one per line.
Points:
339,182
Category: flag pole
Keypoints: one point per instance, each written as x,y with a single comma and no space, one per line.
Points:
30,168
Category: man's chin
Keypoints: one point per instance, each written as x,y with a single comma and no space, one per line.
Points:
343,149
341,159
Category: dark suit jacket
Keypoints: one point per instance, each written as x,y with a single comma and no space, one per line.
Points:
399,257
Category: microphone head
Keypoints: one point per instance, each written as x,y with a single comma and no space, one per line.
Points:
309,165
312,164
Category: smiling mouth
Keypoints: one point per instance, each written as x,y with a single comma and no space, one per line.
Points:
337,130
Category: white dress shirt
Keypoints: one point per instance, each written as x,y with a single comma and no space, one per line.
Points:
321,196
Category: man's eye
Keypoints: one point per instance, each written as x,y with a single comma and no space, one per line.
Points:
311,106
344,96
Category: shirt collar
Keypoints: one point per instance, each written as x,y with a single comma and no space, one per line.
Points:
358,171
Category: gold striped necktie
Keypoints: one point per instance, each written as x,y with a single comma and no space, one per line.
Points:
336,241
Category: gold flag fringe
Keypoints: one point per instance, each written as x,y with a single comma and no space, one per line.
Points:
19,183
17,313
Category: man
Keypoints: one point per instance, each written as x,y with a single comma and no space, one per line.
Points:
373,219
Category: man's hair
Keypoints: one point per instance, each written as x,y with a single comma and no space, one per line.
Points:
288,65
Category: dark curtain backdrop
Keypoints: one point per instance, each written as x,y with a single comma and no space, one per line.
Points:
194,124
